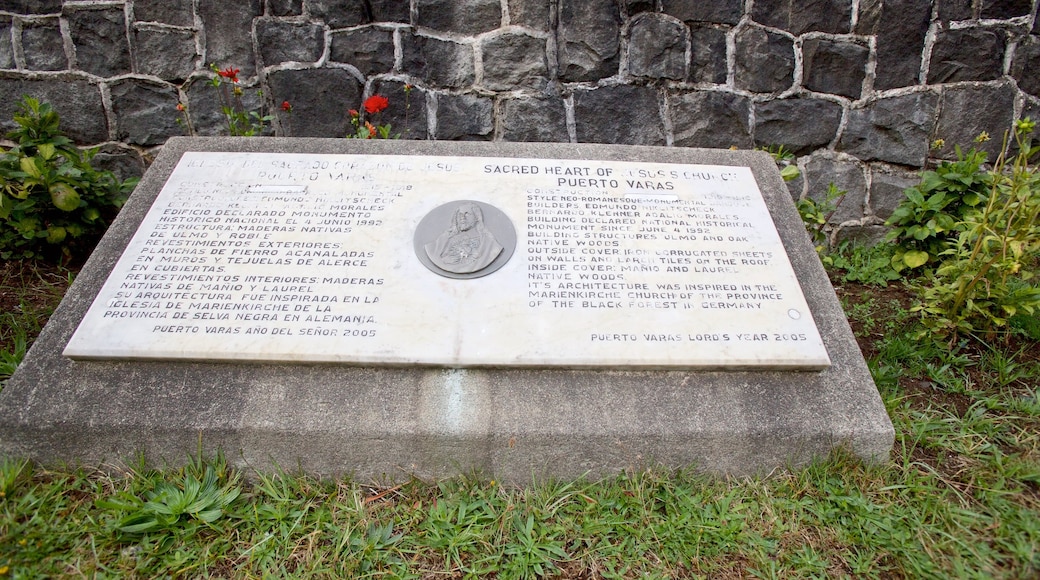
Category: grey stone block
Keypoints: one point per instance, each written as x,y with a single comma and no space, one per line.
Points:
43,46
31,6
708,55
901,29
860,235
1026,64
464,118
543,120
284,7
229,40
6,45
123,161
370,50
77,102
589,39
765,61
1002,9
967,111
801,16
533,14
800,124
514,60
711,119
281,41
338,13
145,112
390,11
407,112
823,170
966,54
205,102
717,12
657,47
389,422
174,12
468,17
100,40
893,129
169,54
955,10
623,114
886,189
320,99
836,67
441,63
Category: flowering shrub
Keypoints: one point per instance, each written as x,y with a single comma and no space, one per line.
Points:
240,122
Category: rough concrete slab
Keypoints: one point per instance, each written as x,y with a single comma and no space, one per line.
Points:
510,424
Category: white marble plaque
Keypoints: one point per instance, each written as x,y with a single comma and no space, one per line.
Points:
320,258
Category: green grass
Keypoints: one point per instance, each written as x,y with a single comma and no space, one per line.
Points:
960,498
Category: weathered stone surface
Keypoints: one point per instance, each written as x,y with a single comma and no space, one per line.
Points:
967,54
543,120
228,34
801,125
886,189
589,38
78,102
514,60
1006,8
955,10
1026,64
718,11
175,12
31,6
711,119
633,7
42,45
145,112
801,16
860,235
464,118
533,14
765,61
280,41
707,55
848,176
894,129
657,47
169,54
371,50
204,106
901,29
6,47
836,67
438,62
124,162
390,11
407,113
624,114
967,111
320,99
99,37
469,17
284,7
338,13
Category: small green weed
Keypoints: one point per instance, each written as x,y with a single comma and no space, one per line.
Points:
816,215
867,265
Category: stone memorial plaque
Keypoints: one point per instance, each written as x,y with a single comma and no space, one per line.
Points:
454,261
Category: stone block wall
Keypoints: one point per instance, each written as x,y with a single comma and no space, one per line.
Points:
858,89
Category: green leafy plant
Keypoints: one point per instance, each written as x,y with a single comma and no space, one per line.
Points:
988,274
927,221
53,203
785,162
816,214
169,507
240,122
870,265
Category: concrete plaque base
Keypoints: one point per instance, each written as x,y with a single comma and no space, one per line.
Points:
397,421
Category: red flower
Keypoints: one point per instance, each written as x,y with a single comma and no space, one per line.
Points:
371,130
354,114
286,107
230,74
181,107
376,103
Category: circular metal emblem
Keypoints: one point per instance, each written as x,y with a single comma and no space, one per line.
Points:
464,239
